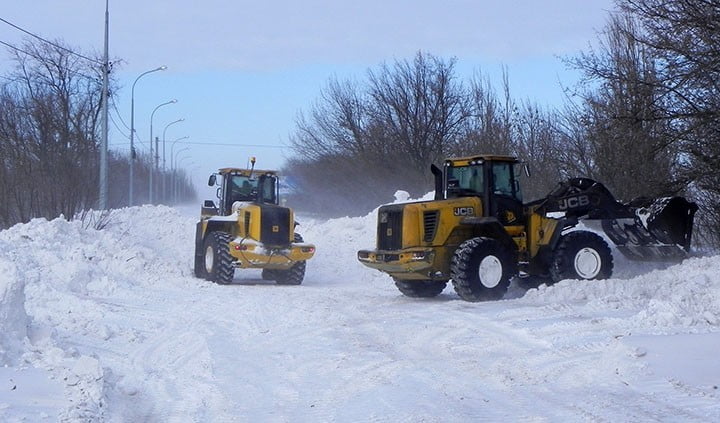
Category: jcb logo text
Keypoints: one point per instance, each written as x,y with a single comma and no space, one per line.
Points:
464,211
574,202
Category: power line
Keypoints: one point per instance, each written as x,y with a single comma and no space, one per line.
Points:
42,59
50,42
223,144
114,104
124,134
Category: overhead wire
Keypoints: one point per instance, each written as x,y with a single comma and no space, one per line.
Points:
124,134
225,144
50,42
114,105
41,59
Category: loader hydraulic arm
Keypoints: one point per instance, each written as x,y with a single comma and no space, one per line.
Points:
583,197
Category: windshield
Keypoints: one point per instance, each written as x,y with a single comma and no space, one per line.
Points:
465,180
243,188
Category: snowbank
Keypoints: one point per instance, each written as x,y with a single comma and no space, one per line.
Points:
686,295
116,321
54,271
13,318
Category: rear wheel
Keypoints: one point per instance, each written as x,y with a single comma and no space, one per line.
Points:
581,255
218,261
420,289
269,274
291,276
481,269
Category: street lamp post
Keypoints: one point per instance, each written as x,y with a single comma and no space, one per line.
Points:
177,163
164,177
172,147
173,165
151,144
132,130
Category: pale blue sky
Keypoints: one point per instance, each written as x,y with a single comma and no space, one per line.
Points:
241,70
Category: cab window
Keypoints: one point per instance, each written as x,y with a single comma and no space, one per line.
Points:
267,189
465,180
504,181
243,188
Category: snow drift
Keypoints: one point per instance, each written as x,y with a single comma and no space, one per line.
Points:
115,328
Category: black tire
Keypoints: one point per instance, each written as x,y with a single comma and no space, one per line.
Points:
199,265
481,269
297,237
217,260
199,268
292,276
269,274
420,289
581,255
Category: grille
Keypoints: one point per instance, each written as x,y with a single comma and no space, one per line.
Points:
430,221
389,234
275,225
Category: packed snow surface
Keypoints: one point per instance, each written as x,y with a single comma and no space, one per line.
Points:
111,325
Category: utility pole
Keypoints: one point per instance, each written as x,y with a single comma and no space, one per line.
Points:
104,145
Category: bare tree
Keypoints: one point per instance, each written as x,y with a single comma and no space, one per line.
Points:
373,138
684,36
631,144
488,126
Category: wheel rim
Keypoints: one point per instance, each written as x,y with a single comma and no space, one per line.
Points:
490,271
209,259
587,263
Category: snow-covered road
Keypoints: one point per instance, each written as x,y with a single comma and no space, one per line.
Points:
115,328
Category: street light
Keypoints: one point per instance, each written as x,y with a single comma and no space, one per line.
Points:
164,185
173,101
172,146
132,129
177,163
188,179
177,153
173,167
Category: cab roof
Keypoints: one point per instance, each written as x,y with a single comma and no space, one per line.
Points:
484,157
245,172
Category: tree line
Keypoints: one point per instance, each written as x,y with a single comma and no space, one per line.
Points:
50,104
643,120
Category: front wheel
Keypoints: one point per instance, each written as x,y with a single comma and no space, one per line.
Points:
581,255
420,289
481,269
218,261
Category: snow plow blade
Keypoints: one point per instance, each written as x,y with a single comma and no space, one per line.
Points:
661,230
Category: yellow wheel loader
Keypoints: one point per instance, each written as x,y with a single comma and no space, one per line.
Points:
478,233
249,229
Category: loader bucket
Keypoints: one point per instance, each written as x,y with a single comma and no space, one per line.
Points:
660,231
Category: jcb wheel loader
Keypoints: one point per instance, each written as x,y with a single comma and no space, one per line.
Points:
248,229
478,233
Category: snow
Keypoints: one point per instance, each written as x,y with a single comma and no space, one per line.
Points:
111,326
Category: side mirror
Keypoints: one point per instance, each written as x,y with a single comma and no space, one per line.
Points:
209,204
212,180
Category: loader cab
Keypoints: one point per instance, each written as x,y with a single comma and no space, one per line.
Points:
492,178
246,186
